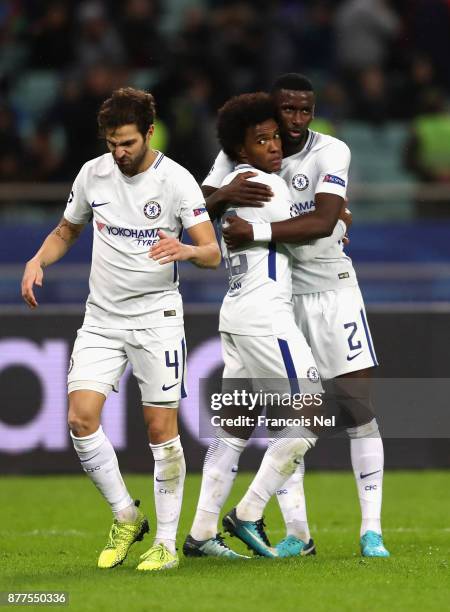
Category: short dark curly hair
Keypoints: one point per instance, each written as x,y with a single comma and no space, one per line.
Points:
293,81
127,105
240,113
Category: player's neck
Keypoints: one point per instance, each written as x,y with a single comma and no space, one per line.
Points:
146,162
292,149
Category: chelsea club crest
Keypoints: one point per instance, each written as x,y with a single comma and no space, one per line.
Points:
313,374
300,181
152,210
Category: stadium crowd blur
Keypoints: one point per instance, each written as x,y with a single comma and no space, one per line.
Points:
371,61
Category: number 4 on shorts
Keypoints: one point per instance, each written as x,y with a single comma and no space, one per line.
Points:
173,364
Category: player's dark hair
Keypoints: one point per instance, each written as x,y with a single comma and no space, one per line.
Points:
127,105
238,114
293,81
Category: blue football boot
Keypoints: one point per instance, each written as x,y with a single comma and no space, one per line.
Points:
372,545
212,547
292,546
250,532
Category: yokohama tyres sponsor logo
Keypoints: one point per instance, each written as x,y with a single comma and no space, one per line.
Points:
125,232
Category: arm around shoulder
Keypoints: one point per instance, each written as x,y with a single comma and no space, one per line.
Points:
309,251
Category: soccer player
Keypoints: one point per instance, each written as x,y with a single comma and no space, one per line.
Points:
139,200
329,308
260,339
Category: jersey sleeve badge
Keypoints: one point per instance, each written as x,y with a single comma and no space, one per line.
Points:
336,180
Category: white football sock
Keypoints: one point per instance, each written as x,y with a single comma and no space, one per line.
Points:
219,473
98,459
368,463
279,463
291,499
170,471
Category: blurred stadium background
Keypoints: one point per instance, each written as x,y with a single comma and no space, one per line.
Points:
380,69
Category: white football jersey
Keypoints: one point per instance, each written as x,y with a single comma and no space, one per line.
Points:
321,167
128,290
259,298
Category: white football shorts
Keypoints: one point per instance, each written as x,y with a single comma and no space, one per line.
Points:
286,357
335,326
157,357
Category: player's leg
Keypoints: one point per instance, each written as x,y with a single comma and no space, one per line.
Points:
274,358
291,497
158,359
246,520
367,457
292,502
168,479
342,345
219,473
95,358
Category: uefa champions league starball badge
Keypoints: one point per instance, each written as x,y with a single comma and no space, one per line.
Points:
152,210
300,182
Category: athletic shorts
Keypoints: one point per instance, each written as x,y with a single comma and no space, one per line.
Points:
335,326
287,357
157,357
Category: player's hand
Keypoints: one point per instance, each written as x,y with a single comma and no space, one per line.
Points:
237,232
169,249
32,275
347,218
241,192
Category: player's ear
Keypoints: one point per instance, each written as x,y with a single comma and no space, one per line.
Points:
242,155
150,132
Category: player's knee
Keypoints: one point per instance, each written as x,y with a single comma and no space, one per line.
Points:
160,429
157,433
81,424
161,422
286,454
81,427
368,430
85,407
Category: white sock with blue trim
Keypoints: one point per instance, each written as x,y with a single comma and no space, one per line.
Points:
169,475
279,463
367,454
292,502
219,473
99,461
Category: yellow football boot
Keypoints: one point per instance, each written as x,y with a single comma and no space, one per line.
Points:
158,557
121,537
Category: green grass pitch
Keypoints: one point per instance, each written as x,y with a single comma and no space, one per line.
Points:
52,529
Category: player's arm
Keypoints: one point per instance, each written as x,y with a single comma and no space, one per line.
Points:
55,246
314,248
330,193
239,192
317,224
343,215
204,253
310,226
